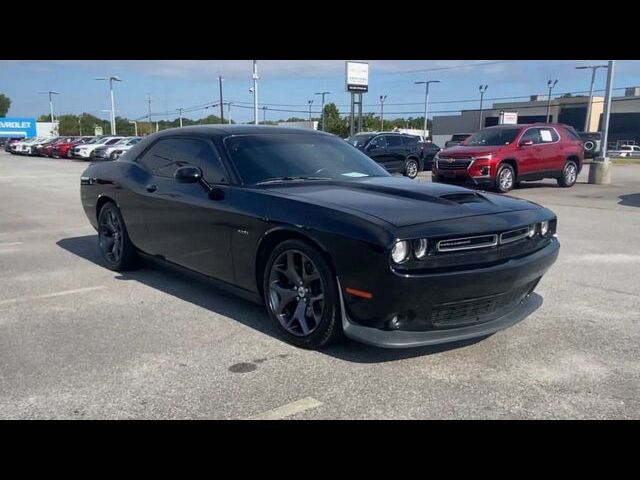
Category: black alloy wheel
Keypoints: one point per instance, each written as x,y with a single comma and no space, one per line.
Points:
300,294
115,246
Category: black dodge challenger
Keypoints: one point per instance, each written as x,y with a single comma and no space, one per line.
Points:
323,235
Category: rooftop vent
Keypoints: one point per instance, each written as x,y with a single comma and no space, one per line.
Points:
537,98
632,92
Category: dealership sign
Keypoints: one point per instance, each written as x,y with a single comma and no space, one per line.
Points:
357,77
17,127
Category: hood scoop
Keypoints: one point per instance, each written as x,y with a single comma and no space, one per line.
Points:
465,197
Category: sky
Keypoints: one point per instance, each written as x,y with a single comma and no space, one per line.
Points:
286,85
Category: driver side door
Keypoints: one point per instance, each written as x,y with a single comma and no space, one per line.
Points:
183,225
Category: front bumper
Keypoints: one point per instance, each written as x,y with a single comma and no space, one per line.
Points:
493,298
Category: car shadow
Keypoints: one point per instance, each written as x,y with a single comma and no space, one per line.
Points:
197,289
630,200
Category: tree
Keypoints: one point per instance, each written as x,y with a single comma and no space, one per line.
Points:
333,123
5,104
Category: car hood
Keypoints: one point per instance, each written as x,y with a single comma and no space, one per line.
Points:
460,151
401,201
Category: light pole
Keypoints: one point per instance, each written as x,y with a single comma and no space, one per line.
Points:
550,85
50,93
80,124
221,102
426,101
382,99
255,91
600,169
135,126
111,79
310,102
264,114
322,114
229,103
149,111
180,114
587,121
482,90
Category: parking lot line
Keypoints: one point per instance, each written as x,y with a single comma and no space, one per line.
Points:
52,295
289,409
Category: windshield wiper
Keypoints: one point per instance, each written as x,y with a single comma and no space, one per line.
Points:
288,179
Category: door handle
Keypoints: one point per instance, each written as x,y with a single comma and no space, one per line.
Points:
151,188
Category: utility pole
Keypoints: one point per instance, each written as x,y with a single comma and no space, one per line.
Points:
587,120
482,90
550,85
229,103
600,169
149,110
255,92
382,99
322,114
180,113
221,102
310,102
426,102
264,115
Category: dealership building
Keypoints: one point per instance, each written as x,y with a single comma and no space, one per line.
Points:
624,123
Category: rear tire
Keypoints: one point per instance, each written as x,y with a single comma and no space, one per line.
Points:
115,246
569,175
301,295
505,178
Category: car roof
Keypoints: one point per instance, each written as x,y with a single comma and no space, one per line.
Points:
228,130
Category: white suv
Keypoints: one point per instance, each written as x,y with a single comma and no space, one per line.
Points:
84,150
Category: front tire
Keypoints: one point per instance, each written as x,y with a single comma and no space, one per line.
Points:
569,175
300,294
411,168
115,246
505,178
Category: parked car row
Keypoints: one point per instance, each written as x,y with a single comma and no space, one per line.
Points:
84,148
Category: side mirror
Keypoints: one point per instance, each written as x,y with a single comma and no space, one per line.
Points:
526,143
188,174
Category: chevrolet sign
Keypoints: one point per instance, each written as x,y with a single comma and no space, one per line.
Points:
17,127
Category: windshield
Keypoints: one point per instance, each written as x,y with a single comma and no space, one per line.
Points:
266,157
359,140
493,136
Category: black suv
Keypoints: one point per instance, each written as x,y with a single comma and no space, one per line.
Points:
396,152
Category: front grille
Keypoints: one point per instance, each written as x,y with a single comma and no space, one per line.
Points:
453,163
514,235
467,243
478,310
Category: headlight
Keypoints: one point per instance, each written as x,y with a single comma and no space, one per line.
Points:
420,248
400,252
532,230
544,228
484,157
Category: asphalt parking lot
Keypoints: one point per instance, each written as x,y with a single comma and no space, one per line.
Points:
78,341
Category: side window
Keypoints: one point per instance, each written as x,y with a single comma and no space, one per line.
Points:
379,141
531,134
167,155
409,141
394,141
548,135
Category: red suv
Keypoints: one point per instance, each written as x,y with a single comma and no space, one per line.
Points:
502,156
